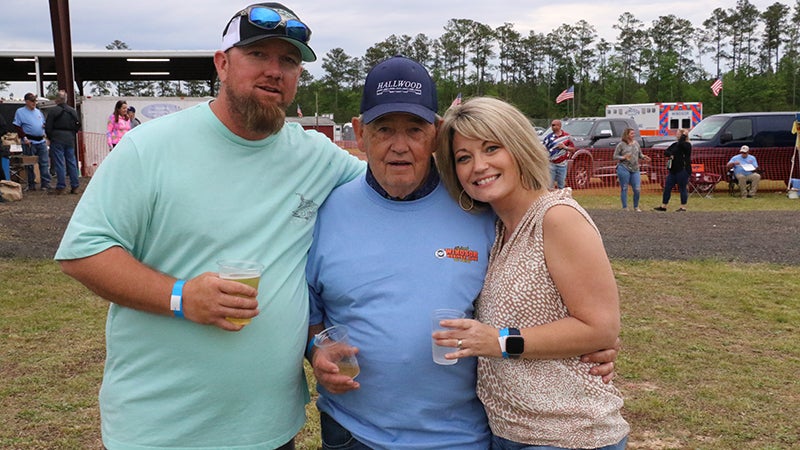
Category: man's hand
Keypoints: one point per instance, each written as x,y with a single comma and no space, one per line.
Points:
606,359
327,374
210,300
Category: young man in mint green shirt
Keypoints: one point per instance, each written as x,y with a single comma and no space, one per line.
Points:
225,179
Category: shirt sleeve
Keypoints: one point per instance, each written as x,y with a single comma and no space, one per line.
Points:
618,152
100,220
110,129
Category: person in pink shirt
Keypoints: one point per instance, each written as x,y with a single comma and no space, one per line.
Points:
118,124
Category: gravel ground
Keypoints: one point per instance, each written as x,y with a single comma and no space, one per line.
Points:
32,228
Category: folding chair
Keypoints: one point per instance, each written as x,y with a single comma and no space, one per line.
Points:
701,182
733,184
17,168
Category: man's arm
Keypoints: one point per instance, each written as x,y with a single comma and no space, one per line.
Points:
49,124
118,277
313,330
20,133
569,146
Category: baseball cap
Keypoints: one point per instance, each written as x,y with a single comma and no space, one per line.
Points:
30,96
268,20
744,149
399,84
131,109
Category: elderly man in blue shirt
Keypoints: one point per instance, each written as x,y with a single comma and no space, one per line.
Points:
29,122
744,167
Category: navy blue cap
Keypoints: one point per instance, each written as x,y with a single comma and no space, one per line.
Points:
399,84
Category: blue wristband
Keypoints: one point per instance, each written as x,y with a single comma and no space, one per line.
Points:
310,346
176,300
503,333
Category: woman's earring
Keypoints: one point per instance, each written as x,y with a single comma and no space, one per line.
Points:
461,201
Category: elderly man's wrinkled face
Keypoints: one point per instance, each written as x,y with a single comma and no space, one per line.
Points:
399,148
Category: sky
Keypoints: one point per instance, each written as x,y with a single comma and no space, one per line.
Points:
354,25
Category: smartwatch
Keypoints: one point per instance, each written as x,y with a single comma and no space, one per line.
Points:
512,344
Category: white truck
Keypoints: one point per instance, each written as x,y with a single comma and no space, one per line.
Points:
659,119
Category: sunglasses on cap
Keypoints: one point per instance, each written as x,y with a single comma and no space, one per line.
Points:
270,19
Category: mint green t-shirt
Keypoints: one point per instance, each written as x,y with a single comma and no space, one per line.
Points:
180,193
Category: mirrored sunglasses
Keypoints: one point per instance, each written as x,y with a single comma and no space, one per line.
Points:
270,19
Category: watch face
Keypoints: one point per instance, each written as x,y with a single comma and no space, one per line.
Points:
515,345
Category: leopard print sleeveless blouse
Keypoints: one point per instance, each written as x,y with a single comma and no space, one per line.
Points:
539,402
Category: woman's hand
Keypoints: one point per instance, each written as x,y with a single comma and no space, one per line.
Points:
472,338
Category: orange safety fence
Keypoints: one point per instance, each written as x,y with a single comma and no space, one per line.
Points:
596,169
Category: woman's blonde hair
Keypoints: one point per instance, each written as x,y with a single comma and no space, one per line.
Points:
491,119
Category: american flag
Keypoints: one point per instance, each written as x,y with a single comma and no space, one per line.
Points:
299,111
716,87
566,95
456,101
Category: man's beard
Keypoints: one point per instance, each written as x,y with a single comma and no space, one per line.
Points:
256,117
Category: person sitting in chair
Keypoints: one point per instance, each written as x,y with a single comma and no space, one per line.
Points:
744,167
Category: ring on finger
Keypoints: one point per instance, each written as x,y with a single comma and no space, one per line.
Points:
458,344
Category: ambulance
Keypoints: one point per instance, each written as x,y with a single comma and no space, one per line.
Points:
659,119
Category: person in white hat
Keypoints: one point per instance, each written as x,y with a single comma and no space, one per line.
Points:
745,168
152,225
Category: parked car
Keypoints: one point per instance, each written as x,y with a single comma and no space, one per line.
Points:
595,139
719,137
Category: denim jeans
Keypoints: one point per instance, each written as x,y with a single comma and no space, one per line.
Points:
39,150
558,174
627,177
64,159
682,180
499,443
336,437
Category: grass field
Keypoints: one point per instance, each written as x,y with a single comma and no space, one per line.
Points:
710,355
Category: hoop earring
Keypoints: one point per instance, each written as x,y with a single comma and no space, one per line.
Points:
461,201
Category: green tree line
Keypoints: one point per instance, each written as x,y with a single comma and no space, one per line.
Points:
754,52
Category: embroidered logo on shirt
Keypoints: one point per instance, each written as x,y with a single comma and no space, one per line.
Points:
306,210
458,254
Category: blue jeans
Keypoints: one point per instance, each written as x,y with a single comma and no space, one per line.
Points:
336,437
682,180
499,443
558,173
39,150
64,158
627,177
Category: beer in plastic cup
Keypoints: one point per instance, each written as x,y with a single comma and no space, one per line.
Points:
243,271
334,341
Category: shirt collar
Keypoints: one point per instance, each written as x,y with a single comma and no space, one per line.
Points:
426,188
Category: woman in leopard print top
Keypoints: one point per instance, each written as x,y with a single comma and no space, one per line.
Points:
549,277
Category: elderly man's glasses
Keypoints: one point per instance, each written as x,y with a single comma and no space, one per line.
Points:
271,19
